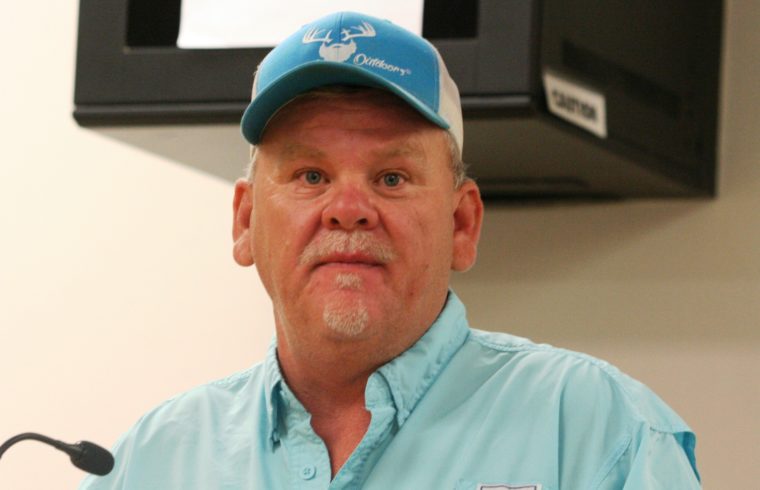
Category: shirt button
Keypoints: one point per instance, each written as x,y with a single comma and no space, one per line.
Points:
308,472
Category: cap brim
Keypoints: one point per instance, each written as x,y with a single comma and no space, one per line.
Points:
318,74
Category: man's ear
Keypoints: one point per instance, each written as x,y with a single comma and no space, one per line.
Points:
242,207
468,219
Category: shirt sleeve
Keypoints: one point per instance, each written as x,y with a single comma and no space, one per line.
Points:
90,483
654,460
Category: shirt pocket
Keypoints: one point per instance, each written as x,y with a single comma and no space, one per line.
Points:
489,485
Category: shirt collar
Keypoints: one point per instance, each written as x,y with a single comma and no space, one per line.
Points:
272,380
411,374
408,376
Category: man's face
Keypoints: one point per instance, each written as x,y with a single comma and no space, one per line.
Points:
353,221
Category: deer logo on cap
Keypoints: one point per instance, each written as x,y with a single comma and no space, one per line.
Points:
343,50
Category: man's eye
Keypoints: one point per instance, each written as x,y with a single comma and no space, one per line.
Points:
312,177
392,179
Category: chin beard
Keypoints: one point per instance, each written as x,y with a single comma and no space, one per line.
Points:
346,319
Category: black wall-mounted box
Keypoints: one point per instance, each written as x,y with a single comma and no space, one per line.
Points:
655,63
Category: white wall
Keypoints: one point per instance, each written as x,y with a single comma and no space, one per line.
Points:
117,289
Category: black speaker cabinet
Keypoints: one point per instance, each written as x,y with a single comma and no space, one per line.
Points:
562,98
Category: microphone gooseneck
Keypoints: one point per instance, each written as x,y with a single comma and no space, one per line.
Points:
85,455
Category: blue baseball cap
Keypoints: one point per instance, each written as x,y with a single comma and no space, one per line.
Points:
348,48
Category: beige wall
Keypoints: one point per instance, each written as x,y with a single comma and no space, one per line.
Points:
117,289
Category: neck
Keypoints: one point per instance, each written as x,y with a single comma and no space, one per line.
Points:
326,381
333,394
329,375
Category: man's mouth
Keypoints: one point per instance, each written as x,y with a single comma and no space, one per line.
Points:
355,259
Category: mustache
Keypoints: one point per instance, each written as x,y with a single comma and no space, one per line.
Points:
343,242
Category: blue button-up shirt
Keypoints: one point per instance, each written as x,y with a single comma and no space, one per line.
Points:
461,409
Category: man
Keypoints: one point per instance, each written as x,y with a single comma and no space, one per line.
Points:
355,212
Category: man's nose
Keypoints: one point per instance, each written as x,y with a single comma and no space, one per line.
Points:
350,208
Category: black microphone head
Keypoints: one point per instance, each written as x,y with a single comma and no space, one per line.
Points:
93,458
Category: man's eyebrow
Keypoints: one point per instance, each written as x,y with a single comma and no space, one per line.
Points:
409,151
414,152
292,151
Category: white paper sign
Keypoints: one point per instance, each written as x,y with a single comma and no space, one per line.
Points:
576,103
264,23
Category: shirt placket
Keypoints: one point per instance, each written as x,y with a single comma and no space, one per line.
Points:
308,461
378,401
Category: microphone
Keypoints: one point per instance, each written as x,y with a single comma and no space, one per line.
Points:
85,455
